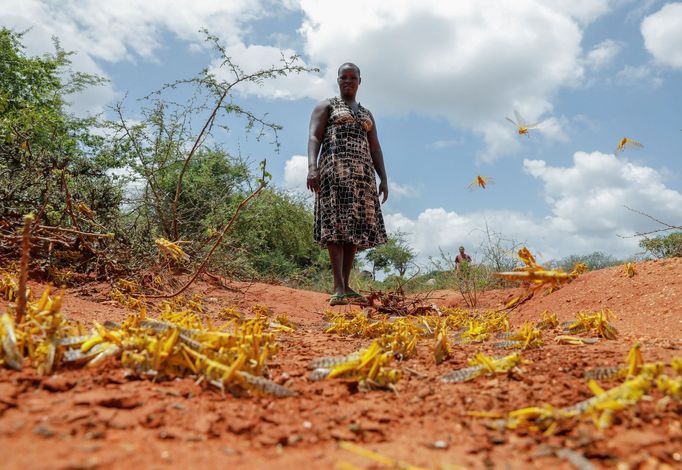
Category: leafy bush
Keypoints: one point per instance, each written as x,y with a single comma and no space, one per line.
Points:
394,254
663,246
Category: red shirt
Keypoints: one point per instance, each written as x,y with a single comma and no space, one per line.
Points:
459,258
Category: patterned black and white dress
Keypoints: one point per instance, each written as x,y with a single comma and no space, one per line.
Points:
347,208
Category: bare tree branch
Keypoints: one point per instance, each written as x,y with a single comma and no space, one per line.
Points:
667,226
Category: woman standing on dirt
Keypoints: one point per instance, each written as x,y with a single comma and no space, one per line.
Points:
347,210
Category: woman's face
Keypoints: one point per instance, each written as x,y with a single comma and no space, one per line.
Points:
348,81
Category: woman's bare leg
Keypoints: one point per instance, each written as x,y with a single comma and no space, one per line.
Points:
348,258
336,256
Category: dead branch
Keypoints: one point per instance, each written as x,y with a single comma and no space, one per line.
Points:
178,189
667,226
69,210
35,237
23,269
75,232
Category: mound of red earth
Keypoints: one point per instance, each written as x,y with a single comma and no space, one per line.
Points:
106,417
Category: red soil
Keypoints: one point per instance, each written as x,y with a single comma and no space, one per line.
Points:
106,418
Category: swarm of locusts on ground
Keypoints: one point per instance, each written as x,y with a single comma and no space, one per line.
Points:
172,339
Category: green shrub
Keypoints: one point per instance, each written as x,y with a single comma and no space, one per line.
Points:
663,246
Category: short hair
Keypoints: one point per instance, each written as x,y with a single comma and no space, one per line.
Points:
348,65
461,247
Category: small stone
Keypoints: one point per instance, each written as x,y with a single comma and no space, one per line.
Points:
43,431
307,425
440,445
240,426
58,383
94,435
229,451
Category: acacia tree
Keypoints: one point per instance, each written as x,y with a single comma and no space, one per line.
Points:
395,253
50,160
663,246
41,143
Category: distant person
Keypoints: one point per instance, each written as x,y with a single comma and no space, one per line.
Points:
462,257
347,209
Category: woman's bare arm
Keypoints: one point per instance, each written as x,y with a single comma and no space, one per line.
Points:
318,124
378,159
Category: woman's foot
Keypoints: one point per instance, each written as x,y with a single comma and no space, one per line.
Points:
338,299
353,297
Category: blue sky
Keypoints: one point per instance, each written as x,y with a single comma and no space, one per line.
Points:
440,78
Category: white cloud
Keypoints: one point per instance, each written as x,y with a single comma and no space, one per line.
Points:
603,53
401,191
586,211
634,75
296,173
471,63
554,128
642,7
468,62
662,32
585,11
587,198
123,30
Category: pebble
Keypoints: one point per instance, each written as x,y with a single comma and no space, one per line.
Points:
44,431
440,445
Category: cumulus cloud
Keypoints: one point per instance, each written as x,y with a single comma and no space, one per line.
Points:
126,30
41,23
471,63
662,32
586,211
585,11
296,173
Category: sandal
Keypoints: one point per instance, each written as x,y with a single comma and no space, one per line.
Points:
338,299
355,298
